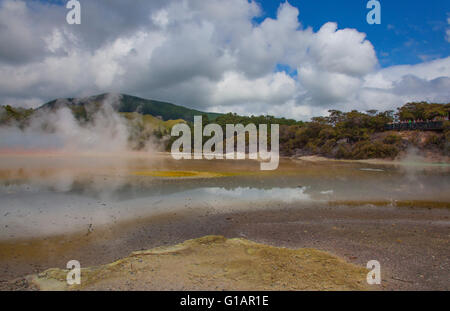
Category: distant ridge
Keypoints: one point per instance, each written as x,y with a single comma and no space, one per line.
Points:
128,103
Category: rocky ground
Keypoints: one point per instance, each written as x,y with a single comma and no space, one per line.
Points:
410,243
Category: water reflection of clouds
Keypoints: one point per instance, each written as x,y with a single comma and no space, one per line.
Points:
287,195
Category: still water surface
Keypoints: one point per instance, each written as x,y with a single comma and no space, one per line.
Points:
51,194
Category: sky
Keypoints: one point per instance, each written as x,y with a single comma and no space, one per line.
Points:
410,31
296,58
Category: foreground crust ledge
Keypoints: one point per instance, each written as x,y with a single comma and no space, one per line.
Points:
214,263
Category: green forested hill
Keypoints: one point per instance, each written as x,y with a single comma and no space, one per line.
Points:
128,103
347,135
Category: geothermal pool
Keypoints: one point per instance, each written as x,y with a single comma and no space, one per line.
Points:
50,194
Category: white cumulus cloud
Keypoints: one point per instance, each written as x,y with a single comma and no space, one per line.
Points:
206,55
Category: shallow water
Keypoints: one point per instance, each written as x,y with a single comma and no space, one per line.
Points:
48,194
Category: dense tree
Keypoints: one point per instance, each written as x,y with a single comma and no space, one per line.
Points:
355,135
423,111
341,134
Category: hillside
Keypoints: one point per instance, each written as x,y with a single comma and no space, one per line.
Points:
129,104
341,135
359,135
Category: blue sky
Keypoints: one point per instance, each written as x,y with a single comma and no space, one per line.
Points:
411,31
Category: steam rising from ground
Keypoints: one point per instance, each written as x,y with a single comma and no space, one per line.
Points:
59,130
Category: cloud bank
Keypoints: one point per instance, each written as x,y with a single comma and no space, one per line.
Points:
205,55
